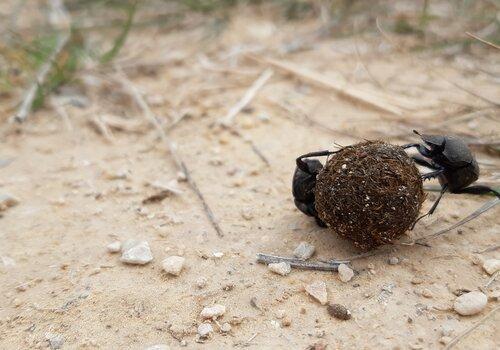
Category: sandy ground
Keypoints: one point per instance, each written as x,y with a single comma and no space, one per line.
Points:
61,280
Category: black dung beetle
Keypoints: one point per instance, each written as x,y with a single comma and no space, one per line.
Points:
304,181
452,163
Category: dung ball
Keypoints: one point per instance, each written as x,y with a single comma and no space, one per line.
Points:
370,193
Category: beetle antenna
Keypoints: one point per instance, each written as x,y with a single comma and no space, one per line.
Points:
416,132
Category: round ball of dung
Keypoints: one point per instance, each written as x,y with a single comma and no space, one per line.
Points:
370,193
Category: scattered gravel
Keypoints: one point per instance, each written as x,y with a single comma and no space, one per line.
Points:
345,273
339,311
318,291
136,252
491,266
114,247
173,265
55,340
282,268
213,311
470,303
204,330
304,251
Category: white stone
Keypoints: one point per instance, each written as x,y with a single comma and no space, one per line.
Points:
304,251
225,328
218,255
201,282
470,303
491,266
281,268
318,291
136,252
8,261
173,265
114,247
159,347
55,340
213,311
205,329
393,261
345,273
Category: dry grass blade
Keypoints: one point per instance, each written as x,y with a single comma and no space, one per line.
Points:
339,87
465,220
455,340
483,41
247,97
171,147
30,95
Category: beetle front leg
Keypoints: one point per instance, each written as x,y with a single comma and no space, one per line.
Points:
303,165
432,174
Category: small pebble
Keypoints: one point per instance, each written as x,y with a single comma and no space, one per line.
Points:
159,347
470,303
393,261
7,201
426,293
345,273
304,251
339,311
280,314
281,268
136,252
173,265
56,341
318,291
225,328
491,266
201,282
417,280
213,311
204,330
218,255
445,340
114,247
286,321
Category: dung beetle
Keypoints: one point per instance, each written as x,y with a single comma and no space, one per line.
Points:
452,162
304,181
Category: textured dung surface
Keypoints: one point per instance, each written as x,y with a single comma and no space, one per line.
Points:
370,193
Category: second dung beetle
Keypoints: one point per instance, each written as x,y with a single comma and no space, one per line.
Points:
451,162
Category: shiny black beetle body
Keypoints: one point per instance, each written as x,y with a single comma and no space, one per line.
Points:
304,181
452,163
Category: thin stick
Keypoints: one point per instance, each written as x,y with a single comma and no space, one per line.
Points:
247,97
337,86
489,249
465,220
253,146
332,265
455,340
490,281
483,41
171,147
29,97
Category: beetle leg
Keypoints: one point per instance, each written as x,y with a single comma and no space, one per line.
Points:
420,148
424,162
432,174
478,189
303,166
433,208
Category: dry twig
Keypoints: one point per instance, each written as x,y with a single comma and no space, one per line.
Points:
483,41
58,16
339,87
301,264
455,340
247,97
465,220
171,147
